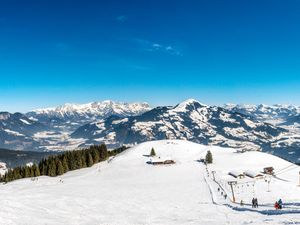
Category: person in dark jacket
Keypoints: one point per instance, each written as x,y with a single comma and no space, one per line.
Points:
280,203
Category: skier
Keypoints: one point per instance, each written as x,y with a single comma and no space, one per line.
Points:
256,203
280,203
253,202
276,205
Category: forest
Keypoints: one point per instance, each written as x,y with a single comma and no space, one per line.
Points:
59,164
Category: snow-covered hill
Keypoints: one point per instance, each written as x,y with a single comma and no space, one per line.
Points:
73,115
189,120
126,190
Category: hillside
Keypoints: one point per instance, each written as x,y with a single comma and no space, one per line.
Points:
127,190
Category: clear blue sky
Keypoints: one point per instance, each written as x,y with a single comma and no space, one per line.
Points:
159,51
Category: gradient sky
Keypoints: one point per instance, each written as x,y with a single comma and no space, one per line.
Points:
159,51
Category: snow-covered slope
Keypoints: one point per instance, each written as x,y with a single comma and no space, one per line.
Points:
74,115
127,190
189,120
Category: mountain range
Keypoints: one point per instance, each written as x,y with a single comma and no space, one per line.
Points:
272,129
72,116
278,114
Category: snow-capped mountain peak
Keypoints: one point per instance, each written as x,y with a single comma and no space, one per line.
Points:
188,104
79,114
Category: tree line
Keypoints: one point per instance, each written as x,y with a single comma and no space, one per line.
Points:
62,163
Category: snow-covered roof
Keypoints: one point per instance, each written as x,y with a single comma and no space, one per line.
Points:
236,173
251,173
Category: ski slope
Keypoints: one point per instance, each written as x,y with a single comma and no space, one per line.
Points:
127,190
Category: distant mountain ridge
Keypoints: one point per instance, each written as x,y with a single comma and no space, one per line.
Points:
74,115
263,112
275,129
189,120
17,130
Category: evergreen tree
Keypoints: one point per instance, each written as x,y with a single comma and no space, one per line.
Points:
83,160
208,157
152,153
43,167
65,164
31,169
52,169
89,160
72,161
37,172
78,160
95,155
59,168
27,171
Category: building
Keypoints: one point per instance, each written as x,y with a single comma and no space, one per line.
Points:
236,174
161,162
253,174
269,170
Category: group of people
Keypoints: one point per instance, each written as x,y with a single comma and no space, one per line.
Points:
278,204
254,203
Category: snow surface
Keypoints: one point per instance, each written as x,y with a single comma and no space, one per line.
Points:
127,190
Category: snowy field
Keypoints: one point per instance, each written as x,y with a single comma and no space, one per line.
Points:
127,190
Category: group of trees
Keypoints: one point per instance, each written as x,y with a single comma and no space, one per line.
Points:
62,163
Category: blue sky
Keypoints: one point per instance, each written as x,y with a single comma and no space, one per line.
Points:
159,51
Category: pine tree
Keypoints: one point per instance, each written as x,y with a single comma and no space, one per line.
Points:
103,152
95,155
43,167
83,160
65,164
37,172
52,169
208,157
89,160
27,171
72,161
59,168
78,160
152,153
31,170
